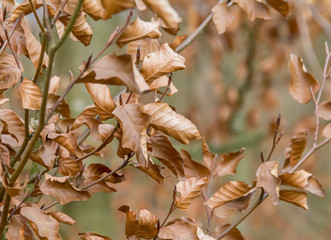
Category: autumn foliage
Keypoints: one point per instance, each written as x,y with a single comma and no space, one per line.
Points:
45,151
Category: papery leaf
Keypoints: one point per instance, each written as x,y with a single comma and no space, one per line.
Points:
327,131
62,217
152,170
47,226
228,163
163,82
92,236
315,187
267,178
232,207
280,5
14,125
97,169
297,179
146,46
69,167
177,42
165,119
133,123
159,63
228,192
180,230
30,95
234,234
95,9
88,112
294,151
54,84
163,150
202,236
9,72
17,229
115,6
139,29
116,70
16,188
208,157
141,223
47,153
62,190
193,168
163,9
325,110
294,197
68,141
102,99
222,17
254,9
301,81
188,190
63,108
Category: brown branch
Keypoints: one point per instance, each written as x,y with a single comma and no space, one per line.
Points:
58,13
42,29
4,214
11,33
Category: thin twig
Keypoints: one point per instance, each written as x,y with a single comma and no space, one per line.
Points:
168,87
58,13
41,58
11,49
4,214
274,142
42,29
11,33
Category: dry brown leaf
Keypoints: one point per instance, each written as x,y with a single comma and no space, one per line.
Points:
97,169
30,95
133,123
294,197
152,170
116,70
232,207
139,29
163,150
89,111
208,157
327,131
301,81
95,9
222,17
294,151
280,5
193,168
297,179
159,63
68,141
62,217
315,187
228,163
18,228
325,110
47,153
163,82
146,46
163,9
202,236
254,9
188,190
177,41
63,108
47,226
141,223
9,72
165,119
54,84
69,167
115,6
102,99
267,178
234,234
62,190
228,192
13,124
92,236
179,230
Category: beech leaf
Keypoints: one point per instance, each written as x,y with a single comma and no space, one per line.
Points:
294,197
30,95
9,72
141,223
222,17
146,46
234,234
193,168
325,110
92,236
301,81
327,131
62,190
228,192
232,207
165,119
280,5
115,6
157,64
254,9
14,124
267,178
228,163
314,187
294,151
188,190
179,230
62,217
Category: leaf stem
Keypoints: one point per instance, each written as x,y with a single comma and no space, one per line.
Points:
42,29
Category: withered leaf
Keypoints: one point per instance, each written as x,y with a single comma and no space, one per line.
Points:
228,192
163,9
222,17
141,223
314,187
294,197
14,125
163,150
179,230
69,167
234,234
177,41
62,190
133,123
18,228
188,190
152,170
254,9
157,64
89,111
47,226
325,110
115,6
163,82
62,217
95,9
165,119
139,29
97,169
63,108
9,72
102,99
193,168
327,131
208,157
228,163
68,141
92,236
267,178
116,70
301,81
202,236
297,179
294,151
30,95
146,46
280,5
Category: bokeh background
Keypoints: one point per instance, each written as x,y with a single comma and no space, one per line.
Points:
233,88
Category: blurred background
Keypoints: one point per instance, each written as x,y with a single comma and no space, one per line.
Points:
233,88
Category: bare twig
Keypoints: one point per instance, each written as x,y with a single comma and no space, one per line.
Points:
42,29
274,142
168,87
58,13
11,33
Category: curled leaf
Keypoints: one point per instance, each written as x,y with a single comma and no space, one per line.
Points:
294,197
254,9
325,110
141,223
193,168
294,151
179,230
228,163
9,72
13,124
92,236
222,17
146,46
115,6
30,94
280,5
62,217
